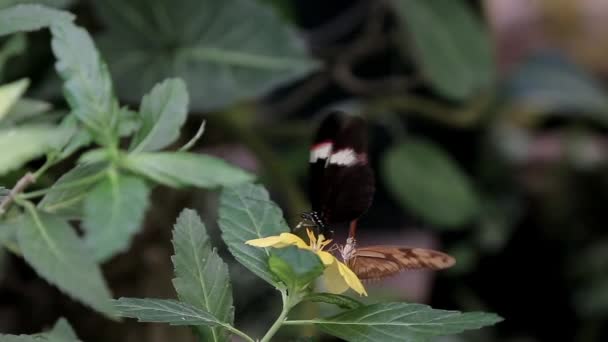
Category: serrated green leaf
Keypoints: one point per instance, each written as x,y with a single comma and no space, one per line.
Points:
341,301
65,200
428,182
401,322
295,267
53,249
177,169
51,3
30,18
164,311
163,112
88,85
213,52
10,94
25,111
201,277
21,338
450,45
113,213
62,332
247,213
76,139
22,144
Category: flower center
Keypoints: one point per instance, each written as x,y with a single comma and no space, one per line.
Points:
317,244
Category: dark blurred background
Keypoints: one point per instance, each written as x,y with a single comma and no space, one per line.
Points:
488,139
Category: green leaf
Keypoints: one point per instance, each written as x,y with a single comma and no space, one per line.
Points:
10,93
427,181
30,18
129,122
541,82
113,213
62,332
21,338
177,169
401,322
25,110
201,277
214,51
163,112
20,145
450,44
88,86
164,311
295,267
8,230
78,138
247,213
66,196
50,3
341,301
53,249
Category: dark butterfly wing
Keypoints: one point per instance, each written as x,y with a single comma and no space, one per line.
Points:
319,153
342,182
375,262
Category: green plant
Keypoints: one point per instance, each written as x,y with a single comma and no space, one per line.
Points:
118,159
107,190
205,298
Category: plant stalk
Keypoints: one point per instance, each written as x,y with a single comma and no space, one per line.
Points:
23,183
287,305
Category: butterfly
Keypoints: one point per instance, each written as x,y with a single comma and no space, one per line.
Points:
342,188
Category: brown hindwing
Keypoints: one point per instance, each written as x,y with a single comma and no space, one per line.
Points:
376,262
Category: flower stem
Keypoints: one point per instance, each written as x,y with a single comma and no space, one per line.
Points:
288,303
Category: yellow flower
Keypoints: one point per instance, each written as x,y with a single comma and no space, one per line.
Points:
337,276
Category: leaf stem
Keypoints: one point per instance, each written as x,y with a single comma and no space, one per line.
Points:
50,161
194,139
300,322
68,185
288,303
238,332
23,183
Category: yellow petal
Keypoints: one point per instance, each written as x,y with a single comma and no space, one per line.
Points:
326,257
278,241
351,278
333,280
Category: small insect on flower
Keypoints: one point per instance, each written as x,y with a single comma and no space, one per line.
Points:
337,276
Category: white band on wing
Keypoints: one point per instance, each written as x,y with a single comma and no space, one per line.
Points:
320,151
344,157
